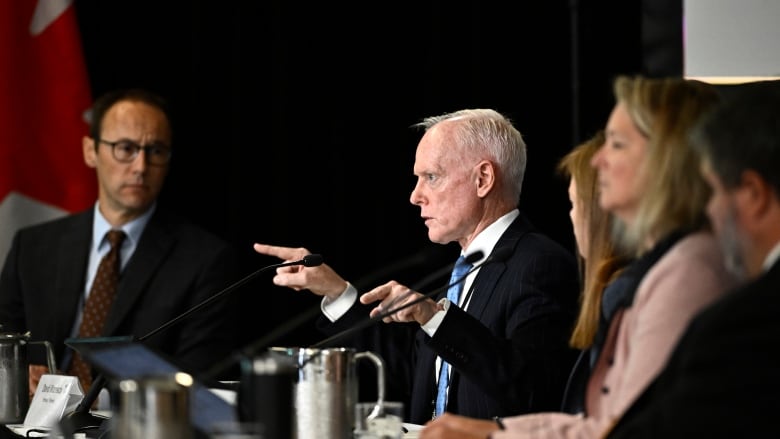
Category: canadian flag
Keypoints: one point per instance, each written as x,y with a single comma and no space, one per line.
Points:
44,100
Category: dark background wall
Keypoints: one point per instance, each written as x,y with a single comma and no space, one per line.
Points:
292,119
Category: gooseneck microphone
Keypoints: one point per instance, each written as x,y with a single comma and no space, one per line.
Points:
312,260
447,269
420,258
80,418
499,254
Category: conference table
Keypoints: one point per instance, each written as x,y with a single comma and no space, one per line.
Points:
412,430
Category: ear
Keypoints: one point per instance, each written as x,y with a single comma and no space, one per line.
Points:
755,196
486,177
90,153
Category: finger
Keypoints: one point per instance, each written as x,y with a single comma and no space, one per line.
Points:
290,269
289,280
378,293
286,253
376,311
397,298
35,372
400,316
369,297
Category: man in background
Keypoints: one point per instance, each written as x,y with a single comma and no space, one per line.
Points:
166,264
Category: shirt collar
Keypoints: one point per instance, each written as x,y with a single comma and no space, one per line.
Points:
487,239
772,257
132,229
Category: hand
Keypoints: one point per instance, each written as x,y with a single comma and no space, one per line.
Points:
320,280
457,427
35,372
394,295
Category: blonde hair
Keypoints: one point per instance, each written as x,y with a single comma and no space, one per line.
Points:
675,196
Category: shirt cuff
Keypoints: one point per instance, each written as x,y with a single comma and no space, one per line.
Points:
432,325
335,308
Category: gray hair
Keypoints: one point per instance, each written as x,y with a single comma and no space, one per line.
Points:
490,134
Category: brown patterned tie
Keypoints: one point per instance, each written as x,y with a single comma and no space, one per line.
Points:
101,295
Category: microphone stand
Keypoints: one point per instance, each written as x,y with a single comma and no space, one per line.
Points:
81,419
498,255
370,321
251,349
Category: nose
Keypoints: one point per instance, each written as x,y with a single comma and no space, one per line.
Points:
140,163
596,160
416,197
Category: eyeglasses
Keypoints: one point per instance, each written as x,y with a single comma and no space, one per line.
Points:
125,151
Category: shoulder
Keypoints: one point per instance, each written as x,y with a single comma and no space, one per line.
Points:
701,245
184,231
691,271
529,242
538,260
57,226
695,254
534,252
755,301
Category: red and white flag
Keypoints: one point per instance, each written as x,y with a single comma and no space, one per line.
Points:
44,99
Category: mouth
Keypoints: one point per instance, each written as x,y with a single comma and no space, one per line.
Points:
135,186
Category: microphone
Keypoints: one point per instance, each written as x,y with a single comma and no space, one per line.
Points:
312,260
470,258
423,256
80,418
498,255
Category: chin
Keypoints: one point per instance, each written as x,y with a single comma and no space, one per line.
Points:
138,206
437,239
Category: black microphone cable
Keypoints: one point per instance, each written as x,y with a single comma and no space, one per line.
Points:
80,419
417,259
499,254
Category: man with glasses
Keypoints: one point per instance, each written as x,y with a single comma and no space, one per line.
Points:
166,264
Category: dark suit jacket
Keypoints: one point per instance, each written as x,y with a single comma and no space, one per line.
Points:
176,265
509,352
723,379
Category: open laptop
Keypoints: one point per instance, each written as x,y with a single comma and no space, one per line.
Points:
120,358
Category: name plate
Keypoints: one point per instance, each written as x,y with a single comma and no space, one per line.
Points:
55,395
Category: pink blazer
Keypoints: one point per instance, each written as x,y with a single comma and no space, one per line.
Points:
690,276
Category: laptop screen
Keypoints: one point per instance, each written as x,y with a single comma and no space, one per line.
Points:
119,358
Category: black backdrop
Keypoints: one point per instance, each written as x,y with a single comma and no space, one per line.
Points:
292,119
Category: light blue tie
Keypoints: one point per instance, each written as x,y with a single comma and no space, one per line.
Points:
453,294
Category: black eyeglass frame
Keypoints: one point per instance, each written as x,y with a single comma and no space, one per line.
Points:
155,154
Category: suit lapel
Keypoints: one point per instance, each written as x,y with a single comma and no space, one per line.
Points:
484,285
153,247
72,250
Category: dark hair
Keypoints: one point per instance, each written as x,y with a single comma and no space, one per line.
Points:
109,99
743,133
